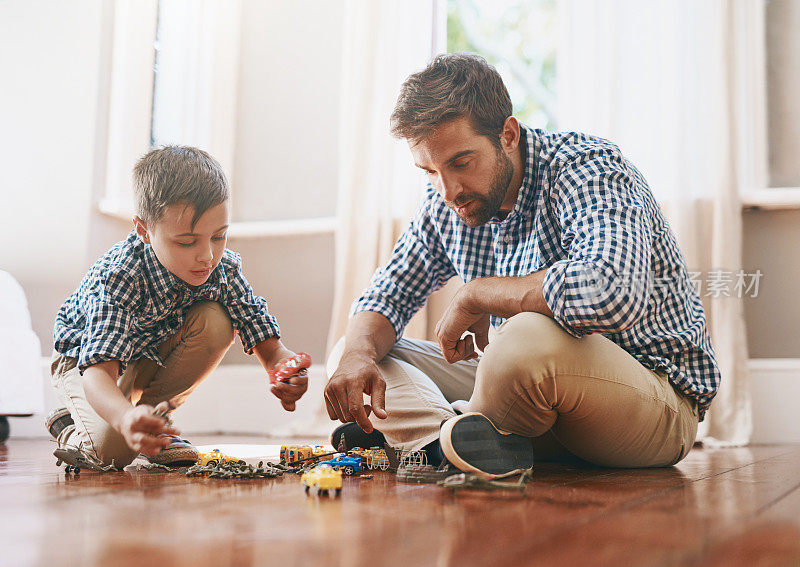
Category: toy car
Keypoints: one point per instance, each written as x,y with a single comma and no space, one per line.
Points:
348,465
323,478
216,457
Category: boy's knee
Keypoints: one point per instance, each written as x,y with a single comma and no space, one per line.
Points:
210,320
112,449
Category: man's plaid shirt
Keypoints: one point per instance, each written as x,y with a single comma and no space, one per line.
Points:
128,304
587,216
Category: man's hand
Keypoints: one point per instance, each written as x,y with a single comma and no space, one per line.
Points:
460,316
344,400
141,428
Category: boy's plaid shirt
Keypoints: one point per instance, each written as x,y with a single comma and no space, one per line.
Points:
128,304
586,215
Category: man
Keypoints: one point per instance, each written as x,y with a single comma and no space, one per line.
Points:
600,348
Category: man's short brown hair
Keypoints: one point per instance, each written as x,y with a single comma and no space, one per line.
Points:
177,175
453,85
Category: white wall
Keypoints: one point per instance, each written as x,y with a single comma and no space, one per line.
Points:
48,91
288,109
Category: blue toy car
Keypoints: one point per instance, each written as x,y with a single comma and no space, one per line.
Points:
348,465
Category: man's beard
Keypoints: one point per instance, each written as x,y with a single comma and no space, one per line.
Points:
488,206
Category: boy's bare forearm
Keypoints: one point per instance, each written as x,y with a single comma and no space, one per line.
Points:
369,334
103,394
270,351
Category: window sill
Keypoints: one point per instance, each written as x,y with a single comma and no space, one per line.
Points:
772,199
245,230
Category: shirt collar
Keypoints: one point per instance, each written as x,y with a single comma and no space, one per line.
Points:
162,279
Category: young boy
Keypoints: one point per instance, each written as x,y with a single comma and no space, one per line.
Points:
155,315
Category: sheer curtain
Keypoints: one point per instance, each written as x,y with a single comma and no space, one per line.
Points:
679,86
379,187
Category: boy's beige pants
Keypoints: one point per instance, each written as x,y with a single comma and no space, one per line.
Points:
585,398
189,356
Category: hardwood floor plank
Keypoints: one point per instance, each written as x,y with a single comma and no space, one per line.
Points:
717,505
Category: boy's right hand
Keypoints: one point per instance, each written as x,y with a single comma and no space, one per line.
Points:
141,428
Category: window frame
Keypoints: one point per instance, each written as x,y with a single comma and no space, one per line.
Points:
126,109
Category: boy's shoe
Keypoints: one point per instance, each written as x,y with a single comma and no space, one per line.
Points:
473,444
58,420
179,453
350,435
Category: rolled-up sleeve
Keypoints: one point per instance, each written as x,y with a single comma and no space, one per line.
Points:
603,284
249,313
107,334
417,267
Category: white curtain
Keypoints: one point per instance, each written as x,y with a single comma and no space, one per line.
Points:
379,187
679,86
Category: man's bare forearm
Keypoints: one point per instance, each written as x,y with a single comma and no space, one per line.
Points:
507,296
369,334
103,394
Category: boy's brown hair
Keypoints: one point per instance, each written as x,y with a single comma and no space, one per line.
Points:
453,85
177,175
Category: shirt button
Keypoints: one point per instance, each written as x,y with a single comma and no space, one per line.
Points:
507,239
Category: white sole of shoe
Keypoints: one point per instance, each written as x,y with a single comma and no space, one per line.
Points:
452,454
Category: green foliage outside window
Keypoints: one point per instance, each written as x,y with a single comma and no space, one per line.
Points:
518,37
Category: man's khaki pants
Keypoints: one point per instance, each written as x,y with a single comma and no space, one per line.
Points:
189,356
585,398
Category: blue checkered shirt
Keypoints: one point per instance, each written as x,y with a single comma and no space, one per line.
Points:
128,304
587,216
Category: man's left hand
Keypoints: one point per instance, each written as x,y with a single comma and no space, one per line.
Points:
460,316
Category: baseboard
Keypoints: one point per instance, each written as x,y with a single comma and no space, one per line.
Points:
775,387
236,399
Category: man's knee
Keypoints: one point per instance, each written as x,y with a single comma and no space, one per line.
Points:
334,357
528,341
210,321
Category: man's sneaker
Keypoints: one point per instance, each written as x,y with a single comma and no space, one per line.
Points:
58,420
473,444
350,435
179,453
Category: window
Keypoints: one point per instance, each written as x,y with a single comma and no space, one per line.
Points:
231,77
782,20
518,37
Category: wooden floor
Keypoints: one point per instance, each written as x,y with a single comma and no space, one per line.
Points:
718,507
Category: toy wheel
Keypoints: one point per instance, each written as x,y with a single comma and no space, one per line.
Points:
76,470
5,428
211,463
349,470
307,489
338,491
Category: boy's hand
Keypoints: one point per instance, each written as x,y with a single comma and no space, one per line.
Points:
270,352
141,429
290,390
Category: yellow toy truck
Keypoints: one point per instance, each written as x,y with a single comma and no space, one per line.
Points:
307,453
